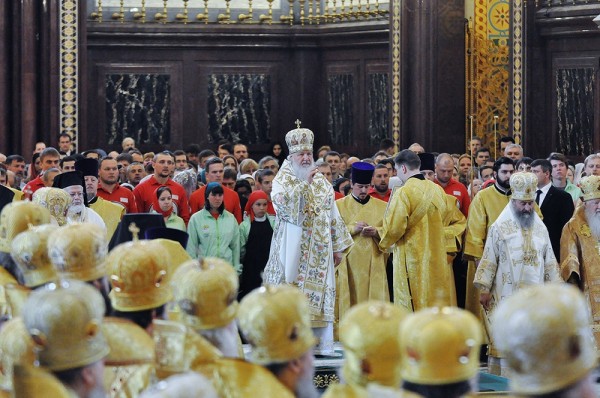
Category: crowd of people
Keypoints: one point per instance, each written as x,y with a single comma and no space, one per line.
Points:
130,274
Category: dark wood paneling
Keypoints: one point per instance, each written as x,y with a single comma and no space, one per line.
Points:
433,74
296,60
559,38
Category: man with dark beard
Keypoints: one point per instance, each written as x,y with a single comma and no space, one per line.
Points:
517,254
483,211
309,234
579,255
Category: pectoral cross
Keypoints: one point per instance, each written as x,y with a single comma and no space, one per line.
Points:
298,123
133,228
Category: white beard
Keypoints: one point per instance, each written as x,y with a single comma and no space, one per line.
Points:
593,220
301,171
75,212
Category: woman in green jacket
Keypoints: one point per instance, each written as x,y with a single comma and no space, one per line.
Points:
214,231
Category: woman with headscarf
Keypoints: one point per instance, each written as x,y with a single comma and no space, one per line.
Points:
214,232
34,167
163,204
255,241
278,152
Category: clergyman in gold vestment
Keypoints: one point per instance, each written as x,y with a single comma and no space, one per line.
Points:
413,222
580,249
361,274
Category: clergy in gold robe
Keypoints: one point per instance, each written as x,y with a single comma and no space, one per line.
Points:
517,254
414,225
454,220
579,249
361,275
484,210
309,235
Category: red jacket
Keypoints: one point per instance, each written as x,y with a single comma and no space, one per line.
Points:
144,196
386,198
119,195
32,186
459,191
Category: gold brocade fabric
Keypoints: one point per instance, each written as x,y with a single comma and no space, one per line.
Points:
111,214
180,349
484,210
34,382
414,223
513,258
361,275
580,255
308,230
16,348
372,391
5,279
455,224
236,378
16,296
18,194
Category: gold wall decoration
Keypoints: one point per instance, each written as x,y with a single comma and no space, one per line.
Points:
396,59
487,63
68,65
517,69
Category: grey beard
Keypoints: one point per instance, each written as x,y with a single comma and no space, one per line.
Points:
302,172
525,220
74,211
593,220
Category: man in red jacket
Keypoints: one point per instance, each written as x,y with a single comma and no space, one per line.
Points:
144,193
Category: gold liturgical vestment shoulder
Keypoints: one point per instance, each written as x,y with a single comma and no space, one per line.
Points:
414,223
371,391
455,224
129,367
361,275
580,255
111,214
236,378
5,279
180,349
34,382
484,210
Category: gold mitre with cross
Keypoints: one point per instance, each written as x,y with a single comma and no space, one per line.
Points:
205,292
440,345
299,139
276,321
591,187
78,251
523,186
138,273
64,320
369,333
29,249
545,335
16,217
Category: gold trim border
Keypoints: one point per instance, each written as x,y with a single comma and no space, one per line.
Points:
396,68
517,70
68,68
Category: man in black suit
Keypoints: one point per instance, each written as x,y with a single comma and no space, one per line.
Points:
556,205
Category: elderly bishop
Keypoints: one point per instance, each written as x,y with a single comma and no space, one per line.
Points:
517,254
309,235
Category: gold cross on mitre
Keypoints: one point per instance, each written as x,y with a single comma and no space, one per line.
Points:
133,228
298,123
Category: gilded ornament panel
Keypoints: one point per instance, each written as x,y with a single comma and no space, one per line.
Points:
487,60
